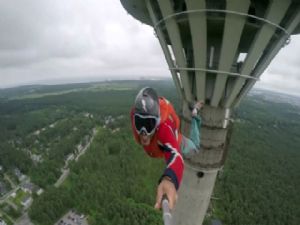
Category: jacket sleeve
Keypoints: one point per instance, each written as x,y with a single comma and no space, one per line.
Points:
170,146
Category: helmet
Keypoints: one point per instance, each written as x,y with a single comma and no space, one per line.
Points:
147,103
146,115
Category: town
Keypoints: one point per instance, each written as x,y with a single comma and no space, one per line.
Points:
17,191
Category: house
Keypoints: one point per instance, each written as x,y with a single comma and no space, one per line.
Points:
79,148
13,195
116,130
216,222
37,132
70,157
18,172
28,187
19,175
40,191
26,201
52,125
88,115
109,119
2,222
36,158
3,188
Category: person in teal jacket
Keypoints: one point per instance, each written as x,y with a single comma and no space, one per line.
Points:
190,146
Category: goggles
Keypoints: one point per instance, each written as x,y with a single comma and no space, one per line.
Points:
146,124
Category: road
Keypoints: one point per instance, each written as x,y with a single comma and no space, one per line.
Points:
87,146
12,204
11,219
65,172
9,180
23,220
4,197
62,178
16,187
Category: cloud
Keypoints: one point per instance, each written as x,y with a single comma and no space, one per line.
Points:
283,73
53,39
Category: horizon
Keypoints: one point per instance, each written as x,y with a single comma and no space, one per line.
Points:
88,80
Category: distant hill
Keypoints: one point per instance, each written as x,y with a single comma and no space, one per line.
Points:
276,97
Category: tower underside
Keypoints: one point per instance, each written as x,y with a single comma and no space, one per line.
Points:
216,50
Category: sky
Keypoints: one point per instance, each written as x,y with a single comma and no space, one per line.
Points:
53,41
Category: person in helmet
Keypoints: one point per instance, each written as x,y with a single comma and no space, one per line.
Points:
155,126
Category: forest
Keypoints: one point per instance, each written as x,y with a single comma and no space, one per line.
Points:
114,182
261,177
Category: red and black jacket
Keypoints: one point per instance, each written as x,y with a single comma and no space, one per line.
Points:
165,142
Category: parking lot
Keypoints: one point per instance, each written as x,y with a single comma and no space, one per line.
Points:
72,218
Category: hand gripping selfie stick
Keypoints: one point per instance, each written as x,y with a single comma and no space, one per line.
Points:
167,217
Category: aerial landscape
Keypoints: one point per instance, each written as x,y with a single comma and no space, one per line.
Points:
69,149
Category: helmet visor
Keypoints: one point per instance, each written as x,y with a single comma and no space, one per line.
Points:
145,123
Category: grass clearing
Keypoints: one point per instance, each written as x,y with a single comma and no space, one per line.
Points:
21,195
